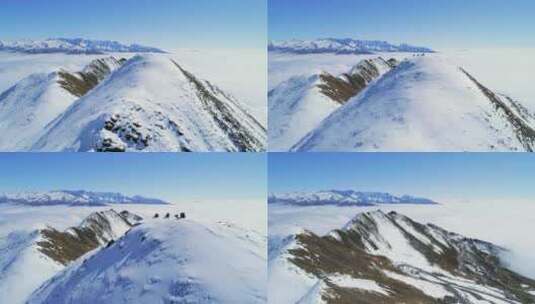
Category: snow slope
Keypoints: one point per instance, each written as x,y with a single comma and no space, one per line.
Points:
165,261
299,104
341,46
31,104
33,254
27,107
426,104
73,46
74,198
344,198
152,104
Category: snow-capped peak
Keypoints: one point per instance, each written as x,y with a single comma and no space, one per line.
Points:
74,46
341,46
80,197
345,198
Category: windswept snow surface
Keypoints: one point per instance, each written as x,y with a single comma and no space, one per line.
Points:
226,222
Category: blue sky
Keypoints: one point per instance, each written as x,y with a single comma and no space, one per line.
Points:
169,24
171,176
434,23
441,176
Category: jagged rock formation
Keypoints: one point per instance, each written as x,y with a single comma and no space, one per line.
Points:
389,258
98,229
79,83
350,84
299,104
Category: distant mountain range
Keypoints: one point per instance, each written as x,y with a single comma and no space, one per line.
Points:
345,198
79,197
73,46
342,46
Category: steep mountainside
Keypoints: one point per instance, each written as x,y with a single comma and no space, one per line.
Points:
153,104
31,104
74,198
425,104
31,258
298,105
166,261
73,46
388,258
341,46
97,229
344,198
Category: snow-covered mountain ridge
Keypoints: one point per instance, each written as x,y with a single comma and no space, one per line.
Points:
73,46
344,198
75,198
167,261
426,103
341,46
382,257
146,103
298,105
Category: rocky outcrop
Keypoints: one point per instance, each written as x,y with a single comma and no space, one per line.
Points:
98,229
79,83
347,85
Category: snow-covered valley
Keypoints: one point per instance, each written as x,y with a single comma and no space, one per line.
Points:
290,279
160,259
